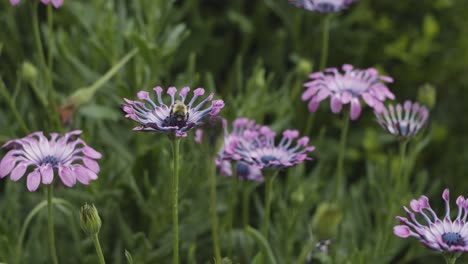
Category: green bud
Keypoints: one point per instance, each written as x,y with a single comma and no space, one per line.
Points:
298,195
89,219
427,95
326,220
304,67
29,72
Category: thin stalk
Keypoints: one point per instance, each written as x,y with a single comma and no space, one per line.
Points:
98,249
401,179
175,201
5,94
53,251
245,204
450,259
268,195
232,207
340,178
47,67
325,42
213,211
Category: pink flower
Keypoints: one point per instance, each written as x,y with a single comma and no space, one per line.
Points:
348,88
67,155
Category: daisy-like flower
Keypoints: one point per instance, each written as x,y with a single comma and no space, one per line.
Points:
67,155
175,118
227,153
55,3
348,88
403,121
444,235
322,6
260,151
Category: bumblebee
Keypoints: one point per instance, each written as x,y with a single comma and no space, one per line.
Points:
178,115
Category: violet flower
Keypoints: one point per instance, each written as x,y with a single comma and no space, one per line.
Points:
322,6
174,119
444,235
55,3
348,88
403,121
67,155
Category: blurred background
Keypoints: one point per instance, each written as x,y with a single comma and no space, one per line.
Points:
255,55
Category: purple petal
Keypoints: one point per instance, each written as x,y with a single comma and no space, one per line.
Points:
335,104
57,3
402,231
67,176
33,180
18,171
7,164
47,173
355,109
84,175
90,152
14,2
91,164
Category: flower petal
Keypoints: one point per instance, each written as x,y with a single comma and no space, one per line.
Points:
18,171
47,173
402,231
33,180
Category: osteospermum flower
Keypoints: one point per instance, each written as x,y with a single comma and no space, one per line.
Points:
443,235
227,154
348,88
261,151
175,118
403,121
55,3
67,155
322,6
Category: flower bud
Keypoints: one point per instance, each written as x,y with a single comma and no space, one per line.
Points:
29,72
427,95
326,220
89,219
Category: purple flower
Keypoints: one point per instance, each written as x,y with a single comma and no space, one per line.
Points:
406,121
68,155
55,3
322,6
442,235
260,151
348,88
227,154
177,118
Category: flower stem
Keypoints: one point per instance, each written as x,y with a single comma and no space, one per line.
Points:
175,193
325,40
5,94
232,207
268,195
401,180
245,204
214,215
451,258
98,249
46,66
53,251
340,179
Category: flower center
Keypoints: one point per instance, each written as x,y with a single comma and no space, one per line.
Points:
453,239
53,161
242,170
325,7
268,158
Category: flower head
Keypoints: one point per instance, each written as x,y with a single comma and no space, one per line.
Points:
443,235
66,155
259,150
175,118
403,121
227,153
55,3
90,221
322,6
348,88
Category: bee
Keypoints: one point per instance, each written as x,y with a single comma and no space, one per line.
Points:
178,115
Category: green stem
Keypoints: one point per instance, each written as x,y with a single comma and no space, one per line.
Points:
53,251
98,249
340,178
232,207
5,94
46,67
401,179
175,193
213,211
325,40
245,204
268,195
451,258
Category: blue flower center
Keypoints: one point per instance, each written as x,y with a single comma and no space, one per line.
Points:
453,239
242,170
267,159
53,161
326,7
